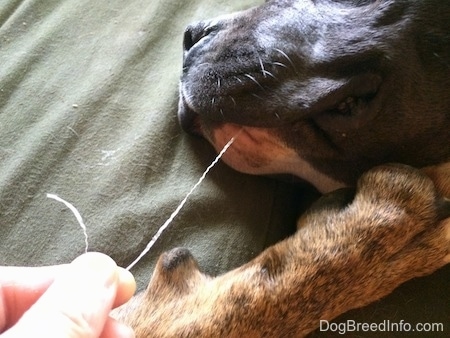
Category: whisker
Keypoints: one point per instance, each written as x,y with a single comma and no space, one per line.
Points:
279,64
254,80
262,66
257,96
270,74
234,101
287,57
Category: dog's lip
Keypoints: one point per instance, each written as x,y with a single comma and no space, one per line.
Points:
187,117
328,110
193,122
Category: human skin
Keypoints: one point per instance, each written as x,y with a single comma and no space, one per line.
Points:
71,300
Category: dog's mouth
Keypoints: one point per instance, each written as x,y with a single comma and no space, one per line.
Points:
188,118
330,104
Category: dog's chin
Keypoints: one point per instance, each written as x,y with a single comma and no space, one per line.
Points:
255,150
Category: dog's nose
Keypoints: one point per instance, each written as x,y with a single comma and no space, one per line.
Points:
194,33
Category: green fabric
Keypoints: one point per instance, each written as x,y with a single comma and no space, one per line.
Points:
88,100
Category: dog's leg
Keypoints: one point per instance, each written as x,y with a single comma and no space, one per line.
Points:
342,257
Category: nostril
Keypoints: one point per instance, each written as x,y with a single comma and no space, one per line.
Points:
188,41
194,33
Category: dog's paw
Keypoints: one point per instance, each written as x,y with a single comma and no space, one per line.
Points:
408,190
403,187
394,228
396,223
408,232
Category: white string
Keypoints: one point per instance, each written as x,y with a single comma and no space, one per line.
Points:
166,223
77,216
177,210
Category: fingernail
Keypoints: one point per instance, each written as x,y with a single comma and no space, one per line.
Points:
125,276
95,266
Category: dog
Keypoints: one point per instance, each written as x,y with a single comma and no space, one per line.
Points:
331,91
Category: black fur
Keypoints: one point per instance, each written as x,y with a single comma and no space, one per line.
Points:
347,84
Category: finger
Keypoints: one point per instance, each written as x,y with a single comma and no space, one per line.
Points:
126,287
115,329
78,302
20,288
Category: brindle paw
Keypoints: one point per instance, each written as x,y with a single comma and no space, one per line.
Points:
408,226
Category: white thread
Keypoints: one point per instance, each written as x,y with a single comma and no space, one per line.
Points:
177,210
77,216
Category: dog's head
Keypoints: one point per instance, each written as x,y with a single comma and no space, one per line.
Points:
322,89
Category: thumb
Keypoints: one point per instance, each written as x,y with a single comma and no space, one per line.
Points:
78,302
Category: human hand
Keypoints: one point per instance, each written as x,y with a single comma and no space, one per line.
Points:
66,301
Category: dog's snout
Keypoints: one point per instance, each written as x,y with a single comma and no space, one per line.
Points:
194,33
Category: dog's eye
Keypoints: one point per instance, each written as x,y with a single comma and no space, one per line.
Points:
347,106
352,106
351,113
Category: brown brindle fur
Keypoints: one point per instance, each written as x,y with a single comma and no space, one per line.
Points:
343,256
328,91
